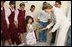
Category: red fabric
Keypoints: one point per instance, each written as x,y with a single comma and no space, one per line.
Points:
32,20
21,21
35,35
5,34
11,20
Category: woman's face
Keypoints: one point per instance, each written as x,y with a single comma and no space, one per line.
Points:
30,20
48,10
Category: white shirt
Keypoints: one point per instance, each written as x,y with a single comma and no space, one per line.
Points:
8,12
69,14
29,13
60,19
43,16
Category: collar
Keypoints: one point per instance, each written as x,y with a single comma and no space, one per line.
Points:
12,9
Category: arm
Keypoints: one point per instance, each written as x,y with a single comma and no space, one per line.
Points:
69,13
57,24
48,26
26,13
38,16
8,12
28,27
51,24
1,31
16,17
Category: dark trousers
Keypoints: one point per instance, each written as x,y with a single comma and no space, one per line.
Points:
69,37
53,36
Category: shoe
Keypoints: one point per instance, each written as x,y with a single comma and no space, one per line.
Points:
12,45
51,43
21,44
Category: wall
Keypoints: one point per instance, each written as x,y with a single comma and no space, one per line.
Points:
38,5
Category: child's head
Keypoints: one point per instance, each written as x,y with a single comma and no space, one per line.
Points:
22,6
2,3
12,4
47,7
32,8
28,19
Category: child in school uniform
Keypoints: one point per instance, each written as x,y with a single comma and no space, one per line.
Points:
20,21
5,35
12,29
30,38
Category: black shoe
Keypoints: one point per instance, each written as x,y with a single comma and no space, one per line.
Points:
51,43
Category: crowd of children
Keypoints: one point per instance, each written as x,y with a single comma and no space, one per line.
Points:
14,23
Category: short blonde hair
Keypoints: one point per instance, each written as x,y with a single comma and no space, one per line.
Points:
47,6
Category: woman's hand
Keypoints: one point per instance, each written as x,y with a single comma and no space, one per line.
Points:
43,29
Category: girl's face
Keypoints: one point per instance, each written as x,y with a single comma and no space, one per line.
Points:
12,5
30,20
2,3
22,7
48,10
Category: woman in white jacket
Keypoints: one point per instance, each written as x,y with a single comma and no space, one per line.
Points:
61,25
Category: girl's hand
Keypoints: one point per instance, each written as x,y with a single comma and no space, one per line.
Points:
1,31
49,32
16,24
8,26
34,28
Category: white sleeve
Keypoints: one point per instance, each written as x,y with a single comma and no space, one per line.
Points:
26,13
57,24
52,21
39,15
69,13
51,24
7,13
16,16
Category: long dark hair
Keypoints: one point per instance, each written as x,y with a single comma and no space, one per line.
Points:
12,2
27,18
